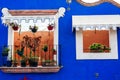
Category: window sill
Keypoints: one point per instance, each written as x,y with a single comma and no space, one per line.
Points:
31,69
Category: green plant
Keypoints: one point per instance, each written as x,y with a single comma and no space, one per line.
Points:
98,47
48,63
20,52
5,51
45,48
34,59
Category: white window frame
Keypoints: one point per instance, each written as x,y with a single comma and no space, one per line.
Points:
82,22
7,16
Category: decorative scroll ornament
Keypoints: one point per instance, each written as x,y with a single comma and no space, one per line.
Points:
61,12
97,2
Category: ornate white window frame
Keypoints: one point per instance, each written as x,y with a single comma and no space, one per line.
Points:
109,22
44,14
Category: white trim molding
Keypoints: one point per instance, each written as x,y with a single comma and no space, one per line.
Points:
92,23
95,21
7,17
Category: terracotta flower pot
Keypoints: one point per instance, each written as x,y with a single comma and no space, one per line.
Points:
15,28
34,30
50,27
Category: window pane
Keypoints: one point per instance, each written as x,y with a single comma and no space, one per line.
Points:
46,38
95,37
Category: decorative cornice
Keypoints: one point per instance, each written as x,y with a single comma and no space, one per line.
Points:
32,12
114,2
19,15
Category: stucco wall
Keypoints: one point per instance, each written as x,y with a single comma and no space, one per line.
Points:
72,69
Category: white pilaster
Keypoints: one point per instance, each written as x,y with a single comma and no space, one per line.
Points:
10,41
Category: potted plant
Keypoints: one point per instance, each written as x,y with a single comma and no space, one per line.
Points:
23,62
5,51
33,28
50,27
48,63
97,47
33,61
20,51
45,48
14,26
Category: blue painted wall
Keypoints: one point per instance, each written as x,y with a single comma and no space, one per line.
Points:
73,69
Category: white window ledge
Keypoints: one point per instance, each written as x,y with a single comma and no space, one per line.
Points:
30,69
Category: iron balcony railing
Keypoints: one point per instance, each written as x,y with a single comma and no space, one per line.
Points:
17,56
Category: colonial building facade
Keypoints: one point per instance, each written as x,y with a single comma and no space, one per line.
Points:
60,40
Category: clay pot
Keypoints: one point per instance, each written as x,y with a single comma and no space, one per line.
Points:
15,28
50,27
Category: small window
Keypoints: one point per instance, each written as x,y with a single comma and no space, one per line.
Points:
33,44
96,36
96,41
84,40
